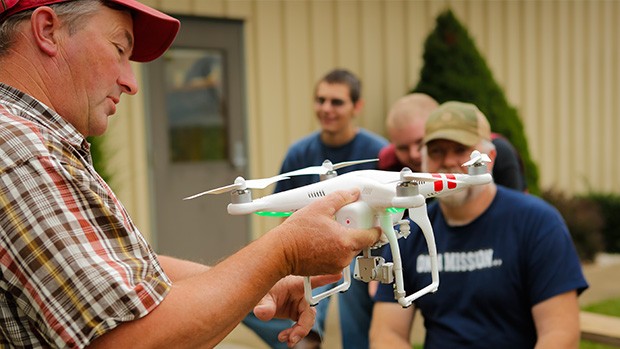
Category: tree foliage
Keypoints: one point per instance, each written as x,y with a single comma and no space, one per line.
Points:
98,155
454,70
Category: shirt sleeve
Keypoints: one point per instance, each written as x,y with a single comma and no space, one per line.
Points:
73,264
507,170
553,266
288,164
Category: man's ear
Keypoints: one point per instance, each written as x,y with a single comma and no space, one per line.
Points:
492,155
45,26
358,106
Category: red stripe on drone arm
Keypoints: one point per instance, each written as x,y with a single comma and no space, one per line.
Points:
451,181
438,184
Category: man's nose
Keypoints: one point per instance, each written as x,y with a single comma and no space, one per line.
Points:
127,80
326,106
451,159
414,151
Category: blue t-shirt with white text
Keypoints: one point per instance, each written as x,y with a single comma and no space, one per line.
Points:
492,271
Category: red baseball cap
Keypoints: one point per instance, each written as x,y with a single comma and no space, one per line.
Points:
153,31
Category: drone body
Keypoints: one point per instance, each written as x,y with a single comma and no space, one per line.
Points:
376,188
384,195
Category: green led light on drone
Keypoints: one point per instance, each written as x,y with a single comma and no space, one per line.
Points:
273,214
394,210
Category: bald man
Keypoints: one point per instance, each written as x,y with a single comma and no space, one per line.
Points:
405,128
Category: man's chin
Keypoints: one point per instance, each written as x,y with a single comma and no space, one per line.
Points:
462,197
98,129
415,167
329,127
454,199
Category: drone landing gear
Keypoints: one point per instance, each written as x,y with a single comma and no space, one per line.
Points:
343,287
355,215
373,268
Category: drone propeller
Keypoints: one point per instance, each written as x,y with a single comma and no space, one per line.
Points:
406,175
477,159
241,184
326,167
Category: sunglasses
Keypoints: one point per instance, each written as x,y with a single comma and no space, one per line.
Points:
335,102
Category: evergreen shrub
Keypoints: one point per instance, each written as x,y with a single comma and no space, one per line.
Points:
584,220
98,155
454,70
610,206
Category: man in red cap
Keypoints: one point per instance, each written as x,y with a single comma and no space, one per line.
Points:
74,270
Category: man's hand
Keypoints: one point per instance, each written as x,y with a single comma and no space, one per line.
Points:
312,243
286,300
315,244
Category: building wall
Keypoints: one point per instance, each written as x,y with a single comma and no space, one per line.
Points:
556,60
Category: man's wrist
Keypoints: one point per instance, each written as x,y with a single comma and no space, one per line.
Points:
280,251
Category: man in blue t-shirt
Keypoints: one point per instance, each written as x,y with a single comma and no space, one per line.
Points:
509,273
337,102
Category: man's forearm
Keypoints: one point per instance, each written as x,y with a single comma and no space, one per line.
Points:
201,310
389,341
559,338
178,269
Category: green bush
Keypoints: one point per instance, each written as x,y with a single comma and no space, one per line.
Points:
610,206
584,220
454,70
98,154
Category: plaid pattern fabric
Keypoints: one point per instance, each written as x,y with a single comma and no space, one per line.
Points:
72,263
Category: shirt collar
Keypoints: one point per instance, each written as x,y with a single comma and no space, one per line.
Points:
23,105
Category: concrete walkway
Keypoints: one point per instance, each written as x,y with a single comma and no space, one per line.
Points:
603,277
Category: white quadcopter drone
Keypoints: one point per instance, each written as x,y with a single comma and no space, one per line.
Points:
384,195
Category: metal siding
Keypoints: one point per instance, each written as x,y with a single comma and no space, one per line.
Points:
323,40
208,7
347,25
396,56
562,116
298,78
373,68
270,81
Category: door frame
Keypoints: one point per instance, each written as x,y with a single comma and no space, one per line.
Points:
221,34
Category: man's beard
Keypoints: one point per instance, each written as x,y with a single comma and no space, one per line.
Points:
459,198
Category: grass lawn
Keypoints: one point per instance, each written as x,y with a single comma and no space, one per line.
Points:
609,307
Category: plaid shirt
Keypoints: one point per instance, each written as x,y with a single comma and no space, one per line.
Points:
72,264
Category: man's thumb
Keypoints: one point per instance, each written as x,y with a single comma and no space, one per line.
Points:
367,237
